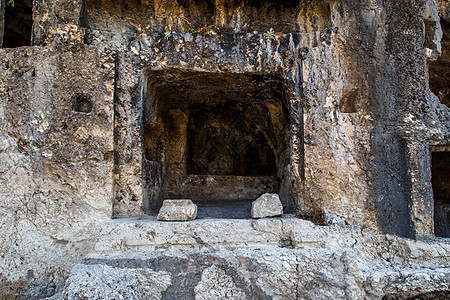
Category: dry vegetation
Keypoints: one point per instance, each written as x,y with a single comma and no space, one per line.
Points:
10,290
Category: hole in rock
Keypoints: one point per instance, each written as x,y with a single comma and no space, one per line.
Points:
440,180
347,103
81,103
18,24
220,139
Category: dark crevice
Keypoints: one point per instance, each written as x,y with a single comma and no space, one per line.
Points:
440,180
18,24
440,69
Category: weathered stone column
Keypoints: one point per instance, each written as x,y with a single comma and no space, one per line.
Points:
2,20
297,162
418,162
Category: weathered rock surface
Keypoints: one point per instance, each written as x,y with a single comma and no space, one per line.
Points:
49,218
267,205
105,282
177,210
322,262
346,120
216,284
147,233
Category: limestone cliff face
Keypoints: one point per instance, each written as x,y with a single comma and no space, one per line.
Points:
339,106
57,160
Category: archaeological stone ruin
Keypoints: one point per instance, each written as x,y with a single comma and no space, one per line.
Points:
137,135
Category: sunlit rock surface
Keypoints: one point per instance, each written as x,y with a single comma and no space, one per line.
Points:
340,107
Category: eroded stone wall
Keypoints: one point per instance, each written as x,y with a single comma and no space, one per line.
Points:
361,115
56,162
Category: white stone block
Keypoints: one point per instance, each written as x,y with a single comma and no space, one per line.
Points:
268,205
177,210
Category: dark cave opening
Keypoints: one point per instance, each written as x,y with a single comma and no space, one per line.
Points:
213,137
440,180
18,24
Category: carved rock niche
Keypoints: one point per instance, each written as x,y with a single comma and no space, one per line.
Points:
215,138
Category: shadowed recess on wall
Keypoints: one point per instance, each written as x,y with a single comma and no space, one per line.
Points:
18,23
213,136
440,69
227,139
440,180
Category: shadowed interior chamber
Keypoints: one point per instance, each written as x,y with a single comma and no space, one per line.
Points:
213,136
18,24
440,69
440,181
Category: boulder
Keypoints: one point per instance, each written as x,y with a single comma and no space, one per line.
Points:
268,205
177,210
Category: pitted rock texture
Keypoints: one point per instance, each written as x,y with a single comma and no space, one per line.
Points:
178,210
216,284
49,217
344,264
114,283
267,205
337,95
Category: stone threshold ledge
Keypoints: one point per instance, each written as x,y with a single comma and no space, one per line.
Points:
288,232
147,233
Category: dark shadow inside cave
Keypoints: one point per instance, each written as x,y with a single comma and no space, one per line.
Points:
440,69
440,180
18,24
230,139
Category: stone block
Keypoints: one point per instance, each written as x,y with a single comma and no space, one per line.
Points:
177,210
268,205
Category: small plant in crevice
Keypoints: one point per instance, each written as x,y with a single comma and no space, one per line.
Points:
10,290
275,36
187,27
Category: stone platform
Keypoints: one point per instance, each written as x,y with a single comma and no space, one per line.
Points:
273,258
148,233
